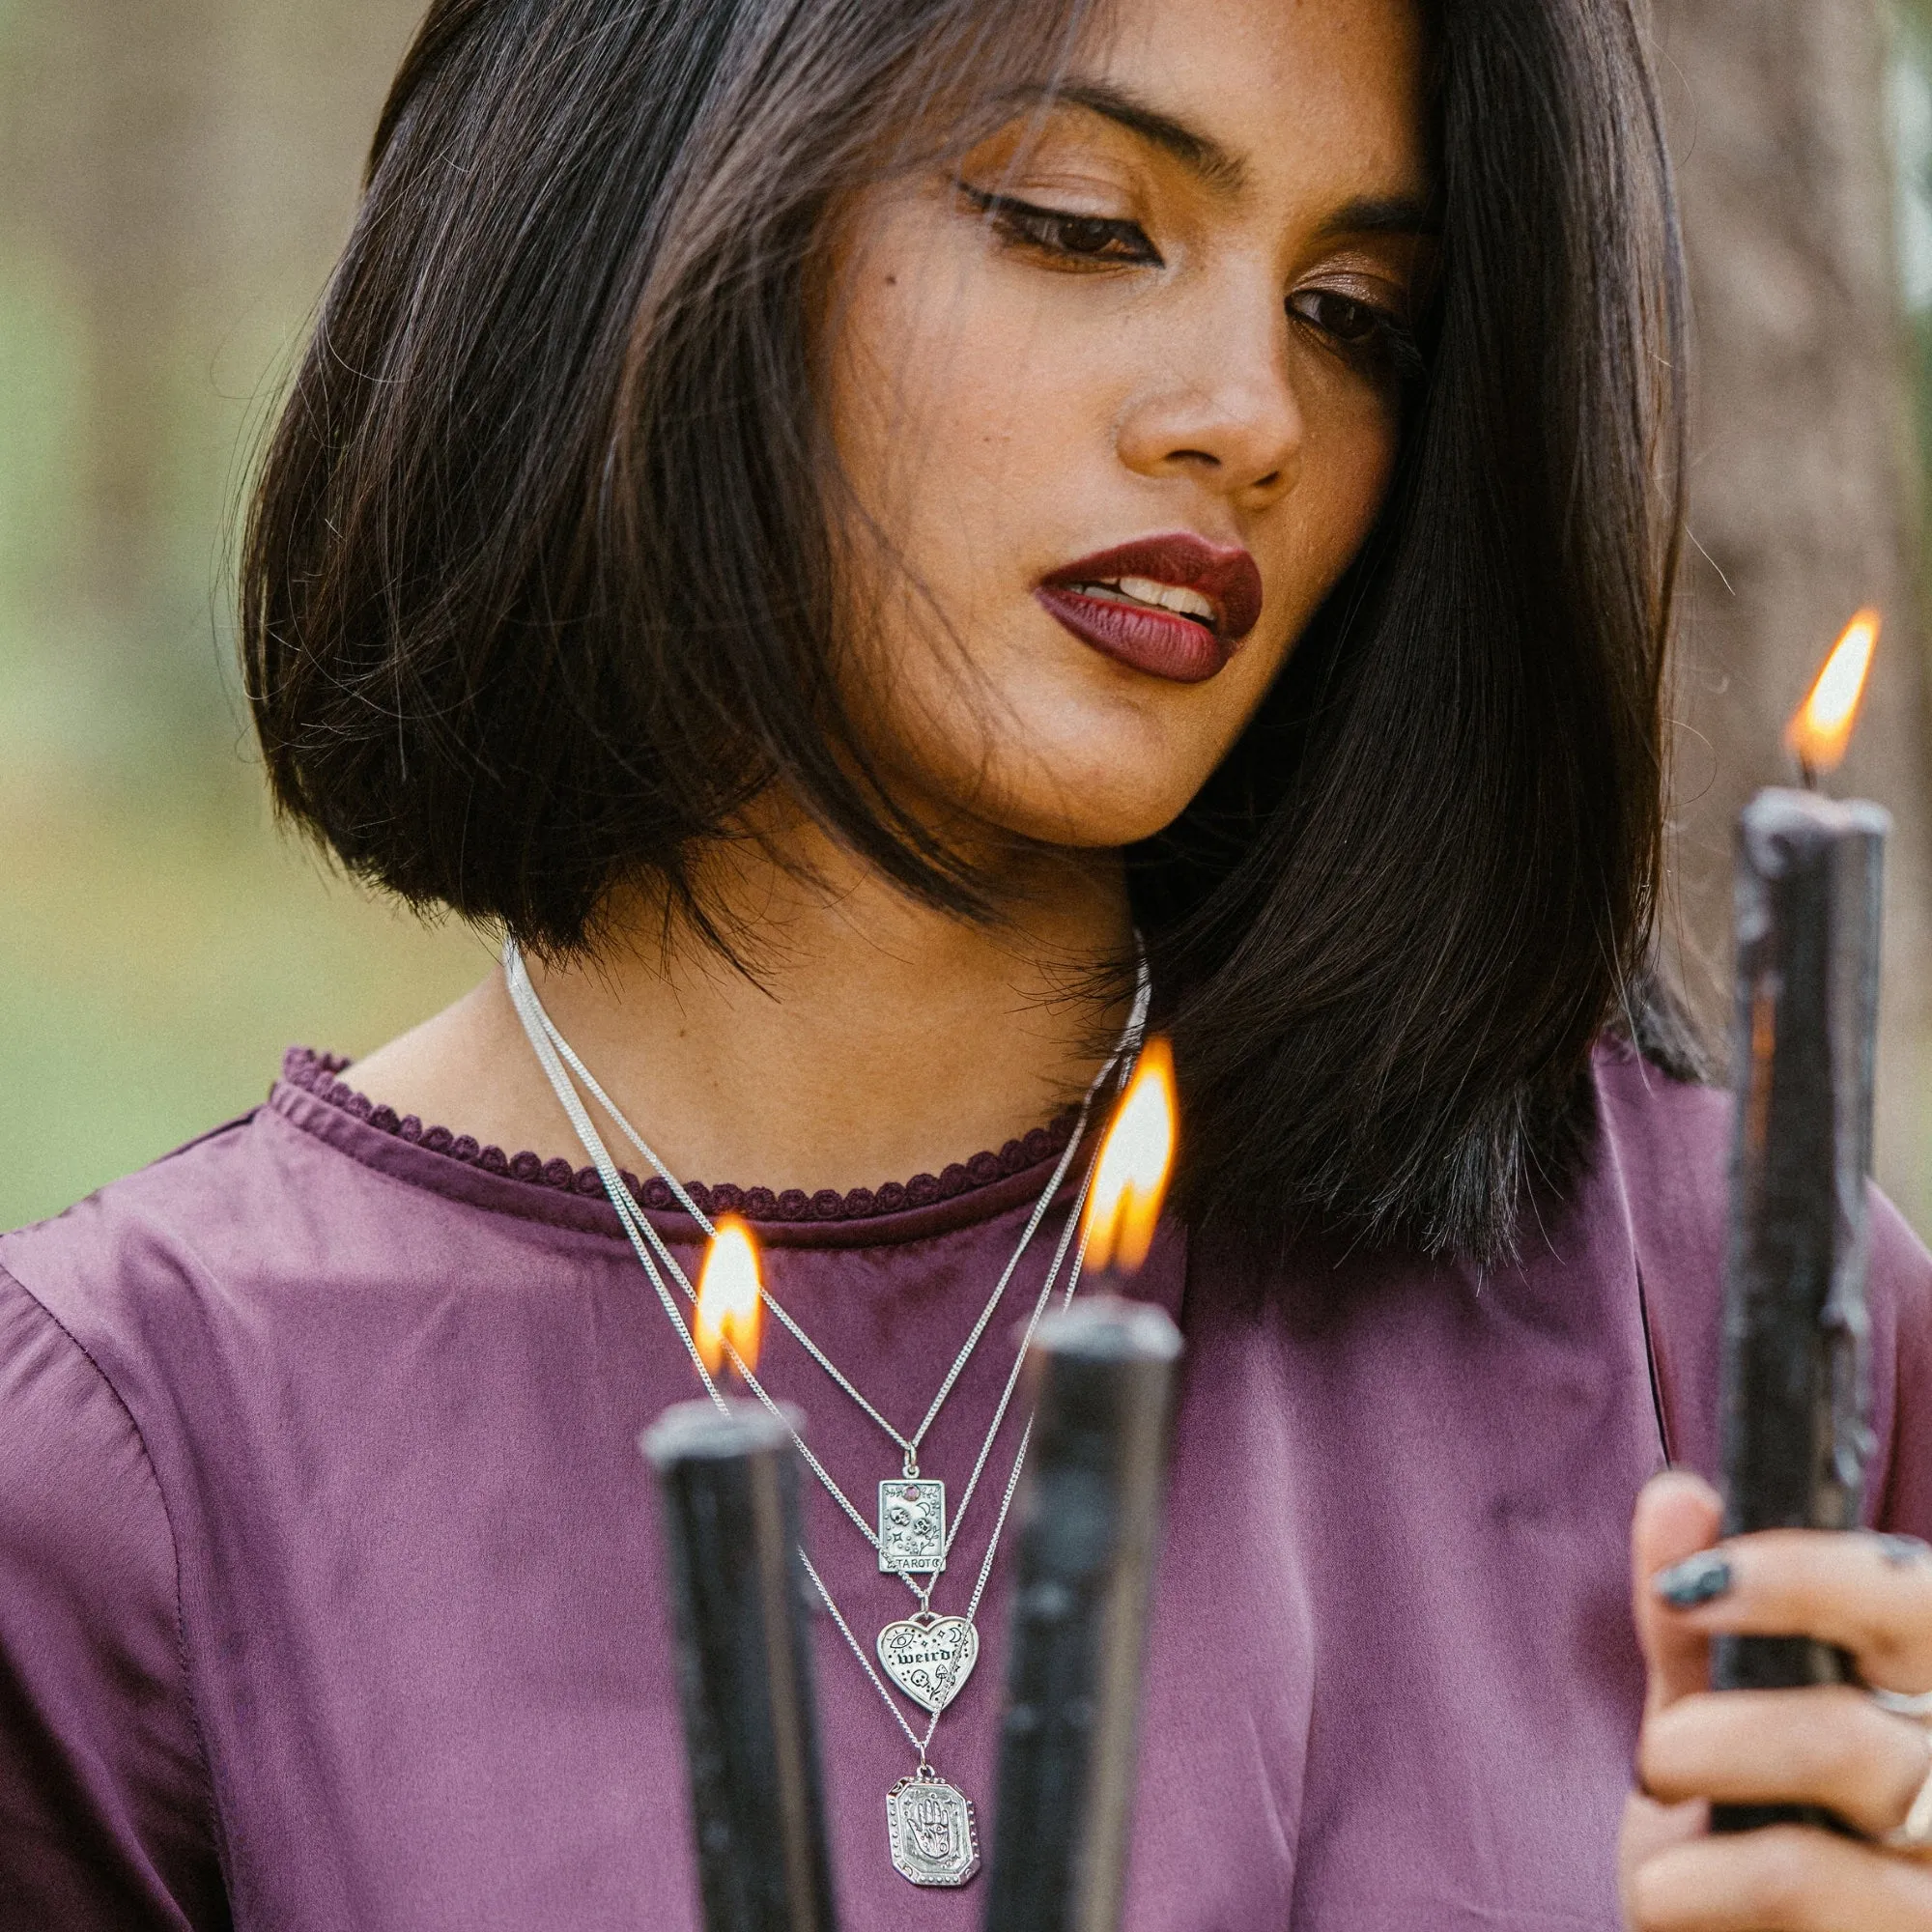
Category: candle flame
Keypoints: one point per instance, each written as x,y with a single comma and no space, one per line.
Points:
730,1304
1820,728
1130,1177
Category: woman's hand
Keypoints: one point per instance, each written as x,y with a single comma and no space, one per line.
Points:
1835,1746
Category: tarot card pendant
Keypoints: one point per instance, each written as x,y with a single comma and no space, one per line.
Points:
912,1525
930,1824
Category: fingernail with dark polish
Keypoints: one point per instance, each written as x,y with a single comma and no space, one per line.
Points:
1697,1579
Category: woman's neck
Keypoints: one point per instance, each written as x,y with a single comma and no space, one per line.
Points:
869,1037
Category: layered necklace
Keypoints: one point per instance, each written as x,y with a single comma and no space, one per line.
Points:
927,1656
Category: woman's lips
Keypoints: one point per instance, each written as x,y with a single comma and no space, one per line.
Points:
1133,630
1150,640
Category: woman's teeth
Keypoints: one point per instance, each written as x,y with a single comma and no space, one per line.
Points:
1173,597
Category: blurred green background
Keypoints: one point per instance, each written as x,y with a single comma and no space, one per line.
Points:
178,174
174,179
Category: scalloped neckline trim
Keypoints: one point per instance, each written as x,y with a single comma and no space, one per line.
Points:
316,1074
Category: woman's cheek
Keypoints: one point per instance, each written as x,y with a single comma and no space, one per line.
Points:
1317,531
1354,426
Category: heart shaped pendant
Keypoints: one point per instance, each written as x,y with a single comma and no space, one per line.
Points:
929,1656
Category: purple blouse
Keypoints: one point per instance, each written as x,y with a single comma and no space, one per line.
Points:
330,1593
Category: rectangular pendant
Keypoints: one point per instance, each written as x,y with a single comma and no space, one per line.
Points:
931,1828
912,1525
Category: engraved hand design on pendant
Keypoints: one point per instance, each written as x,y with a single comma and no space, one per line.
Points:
930,1831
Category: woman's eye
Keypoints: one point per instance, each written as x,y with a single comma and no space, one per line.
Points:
1082,238
1359,331
1339,316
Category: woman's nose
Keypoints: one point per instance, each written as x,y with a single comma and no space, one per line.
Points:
1222,409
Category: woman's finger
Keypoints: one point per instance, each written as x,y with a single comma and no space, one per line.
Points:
1870,1595
1649,1827
1783,1879
1831,1747
1677,1516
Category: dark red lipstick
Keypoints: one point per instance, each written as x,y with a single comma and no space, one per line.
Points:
1110,601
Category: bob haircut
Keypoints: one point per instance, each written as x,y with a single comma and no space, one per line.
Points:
538,592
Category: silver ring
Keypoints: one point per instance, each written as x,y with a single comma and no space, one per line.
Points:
1913,1836
1913,1704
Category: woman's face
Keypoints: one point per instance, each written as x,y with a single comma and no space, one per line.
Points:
1119,393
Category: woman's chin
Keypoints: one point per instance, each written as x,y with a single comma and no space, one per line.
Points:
1085,816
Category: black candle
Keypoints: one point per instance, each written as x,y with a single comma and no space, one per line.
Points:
727,1484
1795,1397
1089,1528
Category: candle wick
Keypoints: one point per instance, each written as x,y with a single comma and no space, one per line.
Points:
1808,772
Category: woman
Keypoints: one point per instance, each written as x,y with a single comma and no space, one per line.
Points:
848,532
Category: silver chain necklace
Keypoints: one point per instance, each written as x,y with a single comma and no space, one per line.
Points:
912,1537
529,1007
927,1656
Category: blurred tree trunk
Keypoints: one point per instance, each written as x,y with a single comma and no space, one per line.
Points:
1804,494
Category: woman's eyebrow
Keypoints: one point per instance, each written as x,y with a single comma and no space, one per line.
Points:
1382,214
1201,154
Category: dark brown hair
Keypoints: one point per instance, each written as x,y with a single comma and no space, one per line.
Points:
537,589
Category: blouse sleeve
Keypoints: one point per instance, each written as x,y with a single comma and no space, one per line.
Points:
1902,1272
107,1819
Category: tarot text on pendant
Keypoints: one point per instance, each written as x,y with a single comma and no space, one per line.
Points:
912,1527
